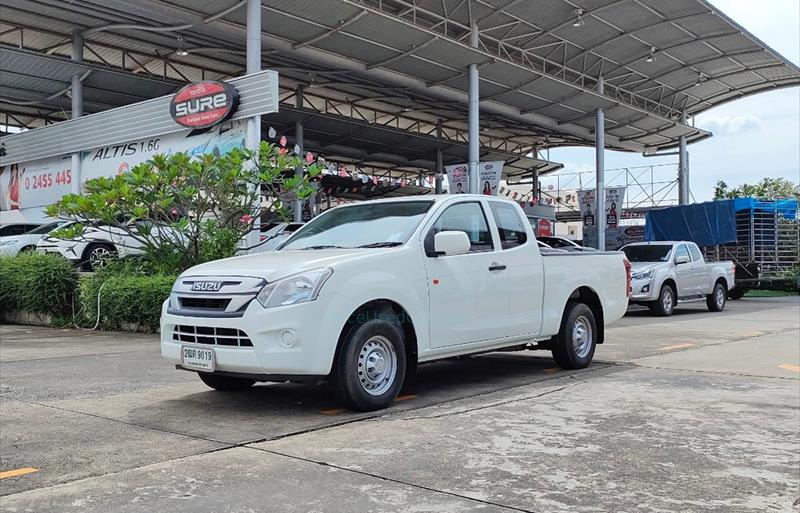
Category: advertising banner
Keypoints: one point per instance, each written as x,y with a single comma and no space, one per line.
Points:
489,174
42,182
587,199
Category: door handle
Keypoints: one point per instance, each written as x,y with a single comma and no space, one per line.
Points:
497,267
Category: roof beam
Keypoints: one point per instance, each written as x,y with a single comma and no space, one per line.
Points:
332,30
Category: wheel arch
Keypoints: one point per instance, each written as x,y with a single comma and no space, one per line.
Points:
384,306
590,298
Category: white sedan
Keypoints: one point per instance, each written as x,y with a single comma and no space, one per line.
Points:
11,245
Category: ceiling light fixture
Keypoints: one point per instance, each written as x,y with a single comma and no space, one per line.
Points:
181,50
578,18
652,56
700,79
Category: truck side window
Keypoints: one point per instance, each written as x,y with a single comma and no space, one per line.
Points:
681,251
509,225
467,218
696,256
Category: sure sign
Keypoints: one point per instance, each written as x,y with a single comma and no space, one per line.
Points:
203,104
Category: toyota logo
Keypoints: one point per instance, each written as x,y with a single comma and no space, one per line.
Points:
204,104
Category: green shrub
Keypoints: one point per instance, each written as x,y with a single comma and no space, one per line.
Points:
126,301
44,284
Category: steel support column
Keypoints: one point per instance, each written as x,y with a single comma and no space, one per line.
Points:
253,58
683,169
439,167
77,108
474,118
600,178
297,205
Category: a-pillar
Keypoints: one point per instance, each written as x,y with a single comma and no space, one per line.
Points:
474,118
76,174
683,168
297,205
600,176
253,57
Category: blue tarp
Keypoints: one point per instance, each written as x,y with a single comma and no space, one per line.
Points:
710,223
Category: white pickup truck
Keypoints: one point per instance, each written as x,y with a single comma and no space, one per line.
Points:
668,272
365,292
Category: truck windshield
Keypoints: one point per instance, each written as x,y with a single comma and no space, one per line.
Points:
649,253
362,225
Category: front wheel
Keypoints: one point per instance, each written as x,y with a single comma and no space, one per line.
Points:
576,340
665,305
97,255
716,300
371,365
225,383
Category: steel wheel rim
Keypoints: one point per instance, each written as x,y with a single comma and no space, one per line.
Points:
582,336
666,300
720,295
377,365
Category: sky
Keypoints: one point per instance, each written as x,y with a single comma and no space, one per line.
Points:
754,137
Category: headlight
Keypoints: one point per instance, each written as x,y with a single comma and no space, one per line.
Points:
643,275
7,242
291,290
173,301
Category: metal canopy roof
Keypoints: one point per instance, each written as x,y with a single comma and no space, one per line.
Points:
403,63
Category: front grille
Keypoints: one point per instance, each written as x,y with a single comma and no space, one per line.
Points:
230,337
205,303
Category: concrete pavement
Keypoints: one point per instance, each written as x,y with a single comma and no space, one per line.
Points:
699,412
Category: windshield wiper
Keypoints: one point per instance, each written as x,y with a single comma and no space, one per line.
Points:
381,245
323,246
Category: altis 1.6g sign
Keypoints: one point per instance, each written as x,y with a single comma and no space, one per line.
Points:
204,104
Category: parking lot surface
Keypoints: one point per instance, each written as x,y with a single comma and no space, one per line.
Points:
697,412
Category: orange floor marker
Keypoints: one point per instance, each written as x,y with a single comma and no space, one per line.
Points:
17,472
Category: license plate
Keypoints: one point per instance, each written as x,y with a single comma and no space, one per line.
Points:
198,358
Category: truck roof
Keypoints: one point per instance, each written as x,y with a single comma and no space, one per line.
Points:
432,197
660,242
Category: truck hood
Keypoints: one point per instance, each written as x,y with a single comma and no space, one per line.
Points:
644,266
274,265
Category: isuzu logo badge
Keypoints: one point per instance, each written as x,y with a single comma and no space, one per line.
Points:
204,104
206,286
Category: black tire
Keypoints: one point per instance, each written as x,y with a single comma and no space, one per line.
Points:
716,300
225,383
95,253
737,293
381,345
665,304
573,347
28,249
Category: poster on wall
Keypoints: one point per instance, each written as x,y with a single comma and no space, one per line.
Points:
36,184
489,174
587,199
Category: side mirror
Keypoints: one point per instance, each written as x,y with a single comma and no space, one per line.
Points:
451,243
683,259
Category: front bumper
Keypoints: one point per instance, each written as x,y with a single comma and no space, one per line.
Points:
643,290
66,252
289,340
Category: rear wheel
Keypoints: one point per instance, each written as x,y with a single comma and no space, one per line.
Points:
371,365
576,340
716,300
225,383
665,305
97,255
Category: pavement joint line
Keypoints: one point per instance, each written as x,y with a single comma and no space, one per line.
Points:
714,344
3,362
17,472
718,373
391,480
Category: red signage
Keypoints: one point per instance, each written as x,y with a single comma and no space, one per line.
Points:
203,104
545,228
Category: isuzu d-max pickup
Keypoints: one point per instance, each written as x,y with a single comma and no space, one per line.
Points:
365,292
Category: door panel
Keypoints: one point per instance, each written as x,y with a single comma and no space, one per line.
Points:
468,302
684,273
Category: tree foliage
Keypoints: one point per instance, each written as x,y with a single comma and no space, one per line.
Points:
767,188
184,210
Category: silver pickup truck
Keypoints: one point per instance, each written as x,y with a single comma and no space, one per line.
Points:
667,272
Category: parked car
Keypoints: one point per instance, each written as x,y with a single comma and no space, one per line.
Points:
17,228
666,273
272,235
563,243
11,245
90,251
364,292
